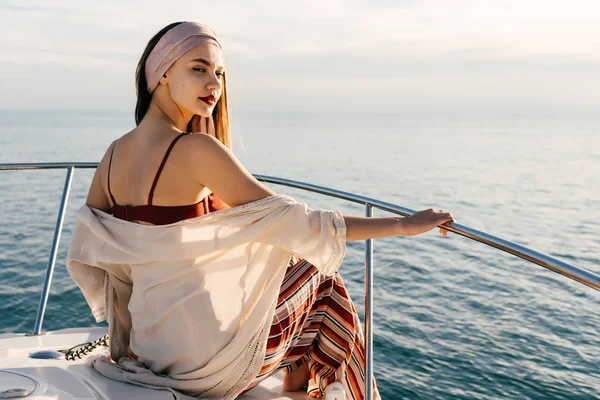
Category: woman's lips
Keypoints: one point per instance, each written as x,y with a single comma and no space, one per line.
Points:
210,100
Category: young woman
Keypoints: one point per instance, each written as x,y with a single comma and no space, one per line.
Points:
177,164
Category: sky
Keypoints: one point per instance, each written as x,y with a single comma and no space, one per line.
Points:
315,55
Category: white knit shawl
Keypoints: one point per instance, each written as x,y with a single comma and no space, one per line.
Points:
194,300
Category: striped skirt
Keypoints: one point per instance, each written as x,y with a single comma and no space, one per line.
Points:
316,322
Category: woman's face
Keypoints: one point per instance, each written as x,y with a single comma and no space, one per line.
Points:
195,80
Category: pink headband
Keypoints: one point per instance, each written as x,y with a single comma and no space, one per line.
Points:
175,43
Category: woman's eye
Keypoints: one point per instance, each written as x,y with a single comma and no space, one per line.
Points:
200,69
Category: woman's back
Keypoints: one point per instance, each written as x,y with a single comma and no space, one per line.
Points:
136,159
148,180
199,168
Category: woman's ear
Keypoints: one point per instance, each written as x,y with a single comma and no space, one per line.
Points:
163,79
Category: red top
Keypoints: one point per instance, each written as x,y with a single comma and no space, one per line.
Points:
163,215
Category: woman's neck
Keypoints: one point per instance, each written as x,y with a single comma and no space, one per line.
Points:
167,114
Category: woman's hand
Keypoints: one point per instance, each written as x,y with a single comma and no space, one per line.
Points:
426,220
200,124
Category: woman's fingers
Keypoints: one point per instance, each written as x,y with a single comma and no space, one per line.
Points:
211,127
447,216
444,218
426,220
203,125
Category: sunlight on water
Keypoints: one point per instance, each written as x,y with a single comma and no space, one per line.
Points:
454,319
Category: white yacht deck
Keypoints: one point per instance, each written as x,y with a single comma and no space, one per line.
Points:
74,380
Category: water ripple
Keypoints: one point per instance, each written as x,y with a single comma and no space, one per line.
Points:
453,319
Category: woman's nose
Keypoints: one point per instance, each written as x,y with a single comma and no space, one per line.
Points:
215,83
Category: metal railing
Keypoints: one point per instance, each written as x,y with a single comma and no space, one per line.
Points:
578,274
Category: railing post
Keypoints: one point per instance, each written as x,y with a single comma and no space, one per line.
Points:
369,313
53,251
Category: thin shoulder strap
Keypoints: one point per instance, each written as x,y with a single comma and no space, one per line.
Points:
109,165
151,194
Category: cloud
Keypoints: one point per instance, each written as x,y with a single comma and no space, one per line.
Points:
313,54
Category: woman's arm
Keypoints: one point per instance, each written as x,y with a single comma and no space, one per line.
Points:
362,228
213,165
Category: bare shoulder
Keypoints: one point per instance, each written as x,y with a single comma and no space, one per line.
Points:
97,194
202,149
109,149
103,164
213,165
199,153
202,139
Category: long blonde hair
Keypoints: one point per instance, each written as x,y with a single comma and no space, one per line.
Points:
144,97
